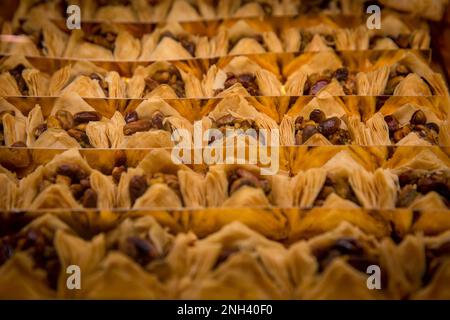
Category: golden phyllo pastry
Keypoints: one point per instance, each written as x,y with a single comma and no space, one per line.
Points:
33,261
67,182
243,76
234,263
157,182
19,77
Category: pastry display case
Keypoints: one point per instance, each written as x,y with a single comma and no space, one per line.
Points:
230,149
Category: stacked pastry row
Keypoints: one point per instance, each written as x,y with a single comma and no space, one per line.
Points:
194,10
71,122
174,41
400,73
377,178
139,259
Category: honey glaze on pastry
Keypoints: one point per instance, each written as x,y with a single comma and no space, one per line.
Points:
316,82
182,39
240,177
418,124
16,73
134,124
247,80
318,123
140,183
74,125
347,248
38,243
76,179
336,185
105,39
417,183
170,77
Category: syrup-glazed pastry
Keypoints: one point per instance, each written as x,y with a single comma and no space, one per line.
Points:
150,125
72,123
67,182
87,80
171,42
423,178
255,8
235,185
401,74
431,273
18,77
241,76
414,122
245,37
34,39
430,9
164,80
334,265
37,256
135,264
190,10
320,74
237,115
235,262
158,182
322,121
103,42
12,125
342,181
9,186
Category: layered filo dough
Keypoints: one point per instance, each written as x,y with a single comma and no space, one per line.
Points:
401,73
9,188
342,181
335,265
320,74
103,42
158,182
241,75
423,177
233,263
324,34
255,8
429,9
322,121
134,265
395,33
34,38
430,272
36,257
244,37
34,13
87,80
234,117
67,182
164,80
72,123
18,77
173,42
152,124
415,122
241,185
12,125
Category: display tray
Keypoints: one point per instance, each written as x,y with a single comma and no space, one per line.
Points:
225,150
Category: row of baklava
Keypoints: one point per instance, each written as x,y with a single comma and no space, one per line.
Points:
155,123
399,73
194,10
413,177
178,41
140,259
